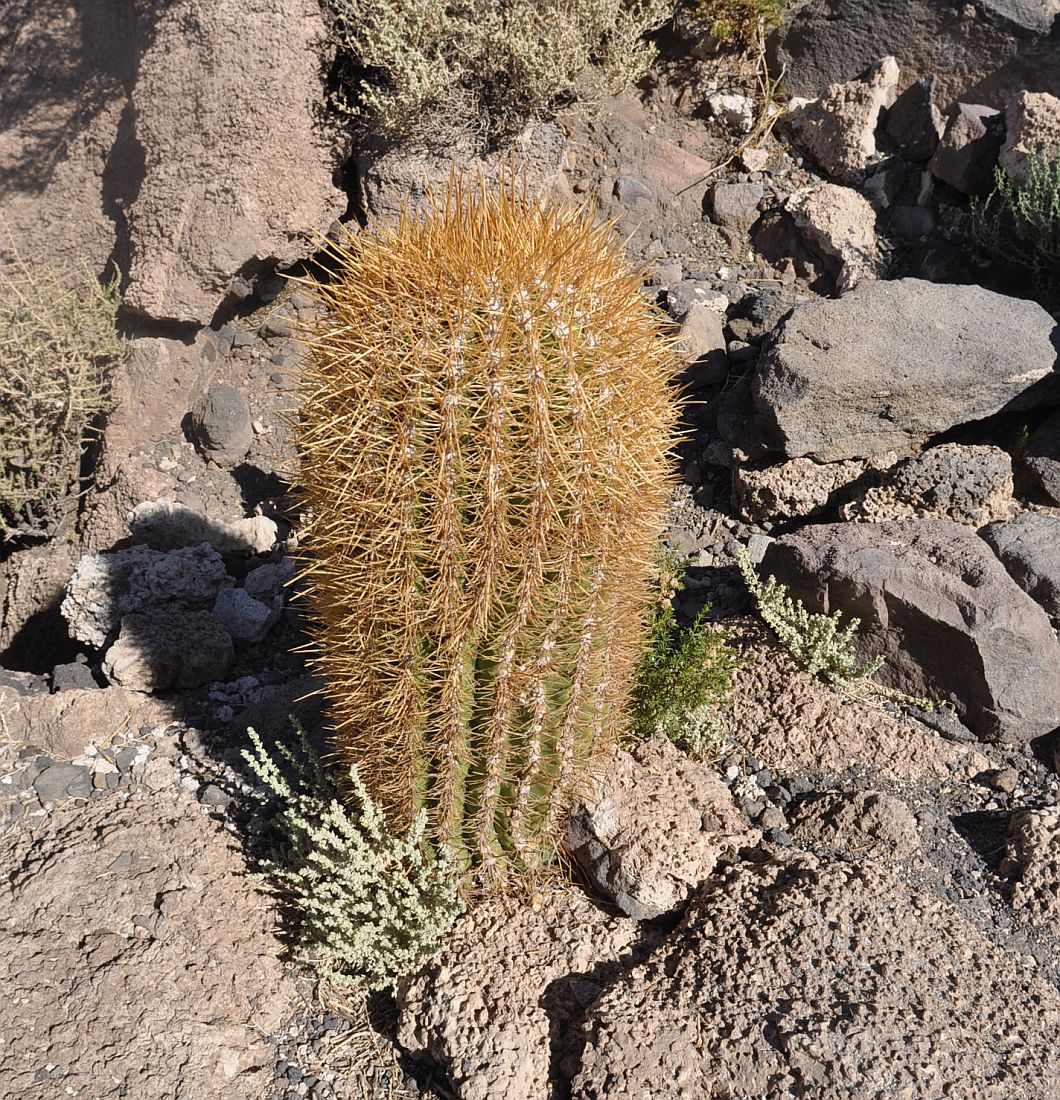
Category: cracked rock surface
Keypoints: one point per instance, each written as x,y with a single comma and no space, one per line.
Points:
137,961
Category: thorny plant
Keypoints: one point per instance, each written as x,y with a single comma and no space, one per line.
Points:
58,343
485,435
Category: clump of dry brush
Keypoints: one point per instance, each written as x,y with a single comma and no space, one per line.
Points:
486,422
58,342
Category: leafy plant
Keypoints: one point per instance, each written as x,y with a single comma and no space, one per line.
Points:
371,907
819,642
485,444
1020,222
683,675
402,60
58,341
737,21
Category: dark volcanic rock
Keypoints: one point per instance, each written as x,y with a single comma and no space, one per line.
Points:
995,45
969,150
938,606
1042,459
892,364
914,123
1029,547
221,422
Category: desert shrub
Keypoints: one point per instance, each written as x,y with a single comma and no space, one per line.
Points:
1020,222
819,642
58,342
683,675
370,907
681,683
508,61
736,22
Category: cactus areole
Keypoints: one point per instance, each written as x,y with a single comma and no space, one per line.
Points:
485,430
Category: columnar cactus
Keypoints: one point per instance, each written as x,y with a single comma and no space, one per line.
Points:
484,435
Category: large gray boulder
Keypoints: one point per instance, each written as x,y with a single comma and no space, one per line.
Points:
1029,547
1033,126
891,364
998,46
938,606
179,138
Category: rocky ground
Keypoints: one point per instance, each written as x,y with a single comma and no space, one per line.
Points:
852,899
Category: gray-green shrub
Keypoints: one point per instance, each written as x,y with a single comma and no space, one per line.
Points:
370,907
402,60
1020,222
819,642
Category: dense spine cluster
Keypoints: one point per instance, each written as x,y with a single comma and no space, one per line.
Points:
484,437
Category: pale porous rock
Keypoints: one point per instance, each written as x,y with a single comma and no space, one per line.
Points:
1033,126
140,958
969,149
892,364
507,985
1042,458
1029,548
871,825
839,224
105,587
63,724
165,525
967,484
403,175
654,829
797,724
839,129
1033,858
791,977
940,609
164,649
230,183
734,111
799,487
